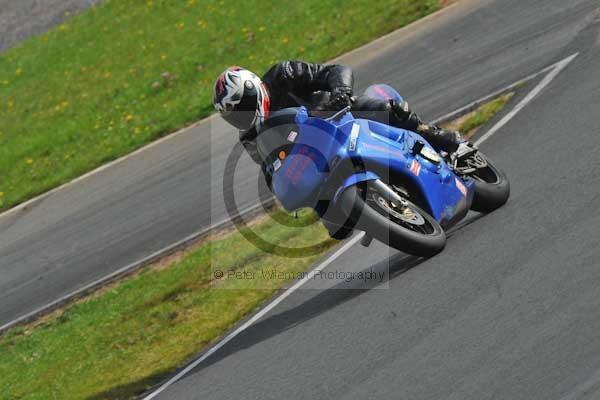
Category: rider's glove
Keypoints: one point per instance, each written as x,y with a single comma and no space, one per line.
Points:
340,97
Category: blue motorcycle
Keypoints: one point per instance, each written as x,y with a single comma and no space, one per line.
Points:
366,175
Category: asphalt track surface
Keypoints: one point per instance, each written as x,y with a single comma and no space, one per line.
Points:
511,308
21,19
173,189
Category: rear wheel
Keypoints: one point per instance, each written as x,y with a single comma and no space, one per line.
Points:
391,218
492,188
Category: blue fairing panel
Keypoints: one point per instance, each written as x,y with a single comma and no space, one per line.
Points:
385,150
354,179
311,168
298,179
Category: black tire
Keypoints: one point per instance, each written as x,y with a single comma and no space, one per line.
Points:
492,188
367,218
337,232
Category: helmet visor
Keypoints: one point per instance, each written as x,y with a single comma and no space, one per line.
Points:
243,115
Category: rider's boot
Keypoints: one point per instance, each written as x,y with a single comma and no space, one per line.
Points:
441,139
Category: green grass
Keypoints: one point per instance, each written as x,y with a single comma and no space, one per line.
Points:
128,71
469,123
119,342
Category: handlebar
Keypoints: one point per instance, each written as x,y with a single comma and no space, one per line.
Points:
337,114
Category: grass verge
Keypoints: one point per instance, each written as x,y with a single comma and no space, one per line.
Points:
118,342
469,123
125,72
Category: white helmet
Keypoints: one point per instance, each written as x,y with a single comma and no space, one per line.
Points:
241,98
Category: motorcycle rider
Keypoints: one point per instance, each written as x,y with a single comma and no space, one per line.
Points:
245,101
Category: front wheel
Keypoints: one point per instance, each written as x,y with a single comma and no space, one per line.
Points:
392,219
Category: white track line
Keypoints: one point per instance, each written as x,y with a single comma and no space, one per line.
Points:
556,69
257,316
464,109
530,96
580,391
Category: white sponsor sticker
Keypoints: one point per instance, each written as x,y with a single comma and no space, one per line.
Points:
276,164
415,167
292,136
460,186
354,137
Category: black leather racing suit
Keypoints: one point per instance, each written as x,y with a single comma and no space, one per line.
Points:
291,82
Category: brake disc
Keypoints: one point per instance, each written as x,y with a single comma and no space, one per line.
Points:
401,211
